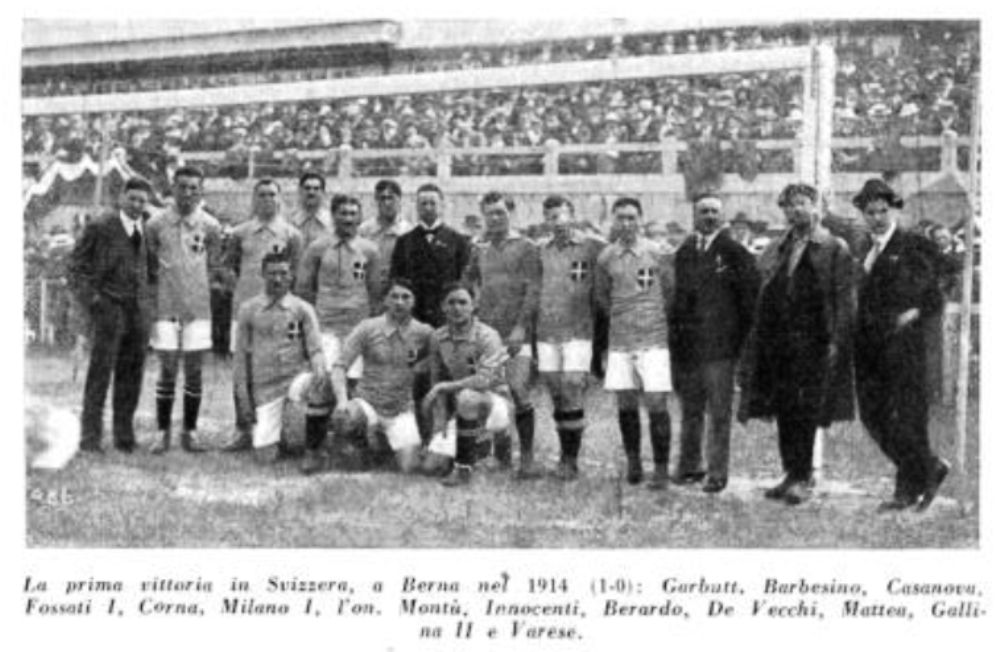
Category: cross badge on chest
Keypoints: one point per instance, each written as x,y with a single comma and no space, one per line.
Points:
358,270
646,278
579,270
411,356
197,243
295,330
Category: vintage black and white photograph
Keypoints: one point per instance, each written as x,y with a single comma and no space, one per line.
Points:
433,283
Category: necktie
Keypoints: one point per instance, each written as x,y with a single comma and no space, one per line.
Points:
797,249
873,255
136,238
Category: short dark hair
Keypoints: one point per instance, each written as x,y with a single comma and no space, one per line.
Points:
389,185
266,181
628,201
338,201
494,196
275,257
793,190
455,286
188,171
401,282
308,176
430,187
138,183
556,201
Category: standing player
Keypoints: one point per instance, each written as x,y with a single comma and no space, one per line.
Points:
339,275
267,232
564,324
277,339
506,272
467,365
185,243
387,226
312,218
394,347
633,285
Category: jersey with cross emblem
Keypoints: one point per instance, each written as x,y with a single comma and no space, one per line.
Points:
343,281
250,242
565,308
636,282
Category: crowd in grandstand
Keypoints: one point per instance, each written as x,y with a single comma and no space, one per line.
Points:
886,88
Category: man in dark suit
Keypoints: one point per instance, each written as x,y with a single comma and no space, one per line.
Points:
114,284
431,256
899,291
712,307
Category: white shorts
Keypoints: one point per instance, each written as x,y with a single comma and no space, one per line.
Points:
575,355
269,423
400,430
499,419
172,335
647,370
332,347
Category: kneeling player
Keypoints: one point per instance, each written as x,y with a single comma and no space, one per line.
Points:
467,365
277,339
393,347
564,330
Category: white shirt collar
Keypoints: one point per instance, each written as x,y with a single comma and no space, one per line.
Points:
882,241
129,224
428,229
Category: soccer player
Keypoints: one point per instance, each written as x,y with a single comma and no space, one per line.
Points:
633,284
387,226
564,327
267,232
185,241
277,338
312,217
393,347
339,276
506,273
467,364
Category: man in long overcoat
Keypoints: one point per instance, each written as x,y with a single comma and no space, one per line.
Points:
798,363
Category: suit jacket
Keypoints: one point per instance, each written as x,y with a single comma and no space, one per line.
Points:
905,276
834,272
713,302
106,266
430,264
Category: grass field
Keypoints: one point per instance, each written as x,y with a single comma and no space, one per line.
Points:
227,500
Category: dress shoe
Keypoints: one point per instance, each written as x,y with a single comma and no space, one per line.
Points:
241,443
693,477
635,471
659,480
898,503
938,476
778,491
163,443
188,442
528,469
461,475
314,462
714,485
91,448
566,471
797,493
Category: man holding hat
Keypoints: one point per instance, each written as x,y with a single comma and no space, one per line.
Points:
899,290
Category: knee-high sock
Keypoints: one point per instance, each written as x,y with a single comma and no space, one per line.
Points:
629,423
525,425
661,437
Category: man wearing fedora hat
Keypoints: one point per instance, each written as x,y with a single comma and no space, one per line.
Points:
899,289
